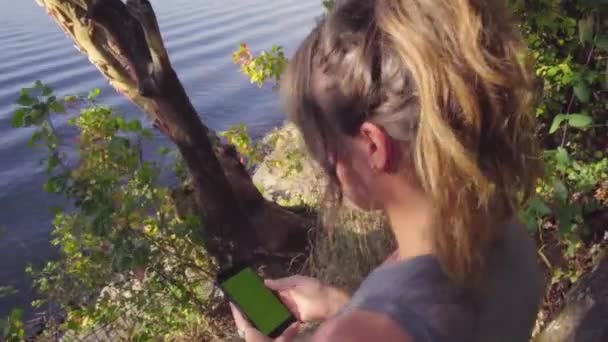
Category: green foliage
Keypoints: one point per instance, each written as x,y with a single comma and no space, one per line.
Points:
290,162
251,150
267,66
567,40
255,152
11,327
125,251
130,261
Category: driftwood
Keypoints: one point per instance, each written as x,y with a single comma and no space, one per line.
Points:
584,317
124,42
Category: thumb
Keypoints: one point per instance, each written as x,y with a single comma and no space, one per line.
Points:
290,333
282,283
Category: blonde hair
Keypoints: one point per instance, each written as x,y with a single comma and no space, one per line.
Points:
449,80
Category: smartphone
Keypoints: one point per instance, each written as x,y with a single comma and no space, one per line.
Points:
260,305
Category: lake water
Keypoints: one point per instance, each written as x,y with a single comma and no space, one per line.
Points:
200,36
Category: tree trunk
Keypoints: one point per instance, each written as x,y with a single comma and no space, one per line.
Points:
124,42
584,317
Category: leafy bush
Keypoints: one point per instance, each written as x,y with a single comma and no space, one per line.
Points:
265,66
11,327
251,151
129,259
568,42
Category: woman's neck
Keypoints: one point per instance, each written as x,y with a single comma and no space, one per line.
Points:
411,218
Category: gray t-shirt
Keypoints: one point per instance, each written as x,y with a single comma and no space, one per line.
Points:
418,296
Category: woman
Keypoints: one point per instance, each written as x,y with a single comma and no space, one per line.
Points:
420,108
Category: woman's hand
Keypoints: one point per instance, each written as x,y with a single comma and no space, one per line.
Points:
251,334
307,298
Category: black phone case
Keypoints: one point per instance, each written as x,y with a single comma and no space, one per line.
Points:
228,273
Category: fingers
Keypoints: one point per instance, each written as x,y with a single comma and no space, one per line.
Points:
253,335
239,320
283,283
290,333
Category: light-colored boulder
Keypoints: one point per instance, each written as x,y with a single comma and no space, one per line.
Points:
288,175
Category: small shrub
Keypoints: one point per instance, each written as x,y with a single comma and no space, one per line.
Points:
128,263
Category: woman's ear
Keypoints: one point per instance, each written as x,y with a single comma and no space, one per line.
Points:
377,146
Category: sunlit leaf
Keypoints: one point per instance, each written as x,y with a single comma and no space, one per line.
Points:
25,99
561,192
93,94
57,107
557,121
561,155
134,126
579,120
18,117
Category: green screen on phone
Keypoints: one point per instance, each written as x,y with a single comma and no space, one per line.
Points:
247,290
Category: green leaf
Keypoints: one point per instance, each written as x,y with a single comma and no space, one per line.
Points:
146,134
557,121
134,126
55,209
25,99
70,98
52,162
561,155
93,94
163,150
73,325
36,137
579,120
565,218
538,206
601,42
35,118
51,187
18,117
560,190
57,107
552,71
117,145
585,29
582,92
46,91
565,68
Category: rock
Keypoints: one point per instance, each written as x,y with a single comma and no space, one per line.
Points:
288,176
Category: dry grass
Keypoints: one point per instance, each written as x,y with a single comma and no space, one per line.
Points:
344,255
